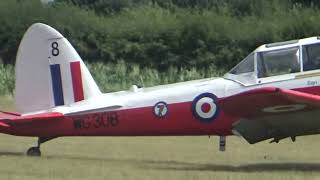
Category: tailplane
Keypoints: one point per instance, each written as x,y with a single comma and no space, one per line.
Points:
49,72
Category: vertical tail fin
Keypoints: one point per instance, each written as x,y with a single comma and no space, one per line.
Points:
49,72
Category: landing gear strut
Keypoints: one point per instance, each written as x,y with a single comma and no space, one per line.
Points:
222,143
35,151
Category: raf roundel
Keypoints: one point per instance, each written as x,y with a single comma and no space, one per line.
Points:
204,107
160,109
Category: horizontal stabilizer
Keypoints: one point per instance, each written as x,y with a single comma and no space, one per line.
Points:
8,115
95,110
39,117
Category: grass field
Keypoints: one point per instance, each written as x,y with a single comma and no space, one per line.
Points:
157,158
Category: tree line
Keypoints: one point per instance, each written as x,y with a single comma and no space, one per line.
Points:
162,33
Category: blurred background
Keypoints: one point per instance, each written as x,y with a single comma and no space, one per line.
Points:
151,42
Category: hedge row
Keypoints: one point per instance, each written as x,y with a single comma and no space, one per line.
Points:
174,33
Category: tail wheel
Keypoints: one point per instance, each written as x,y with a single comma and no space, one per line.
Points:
34,151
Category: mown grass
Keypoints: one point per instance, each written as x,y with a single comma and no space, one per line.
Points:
6,103
157,158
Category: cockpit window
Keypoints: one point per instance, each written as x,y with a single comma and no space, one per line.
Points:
311,57
244,72
245,66
278,62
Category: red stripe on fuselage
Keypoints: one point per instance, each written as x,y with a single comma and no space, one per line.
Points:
76,81
132,122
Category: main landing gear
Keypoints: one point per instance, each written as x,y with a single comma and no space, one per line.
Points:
222,143
35,151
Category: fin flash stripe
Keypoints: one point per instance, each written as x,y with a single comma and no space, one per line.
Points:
57,84
76,81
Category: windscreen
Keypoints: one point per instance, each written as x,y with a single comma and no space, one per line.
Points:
244,72
245,66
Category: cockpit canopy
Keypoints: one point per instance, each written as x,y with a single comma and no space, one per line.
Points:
278,61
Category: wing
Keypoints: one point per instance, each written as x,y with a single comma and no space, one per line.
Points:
273,113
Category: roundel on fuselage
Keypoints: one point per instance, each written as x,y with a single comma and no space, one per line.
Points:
204,107
160,109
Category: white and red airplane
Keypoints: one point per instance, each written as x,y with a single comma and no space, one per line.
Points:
273,93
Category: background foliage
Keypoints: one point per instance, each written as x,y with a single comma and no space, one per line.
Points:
189,36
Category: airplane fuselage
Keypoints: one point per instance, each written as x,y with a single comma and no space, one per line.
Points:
175,109
258,99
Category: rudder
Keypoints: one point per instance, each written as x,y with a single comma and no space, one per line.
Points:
49,72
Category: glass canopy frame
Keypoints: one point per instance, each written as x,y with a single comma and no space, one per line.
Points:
281,63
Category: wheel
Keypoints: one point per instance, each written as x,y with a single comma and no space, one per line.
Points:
34,151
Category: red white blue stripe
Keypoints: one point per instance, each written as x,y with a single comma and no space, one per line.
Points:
76,81
57,86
